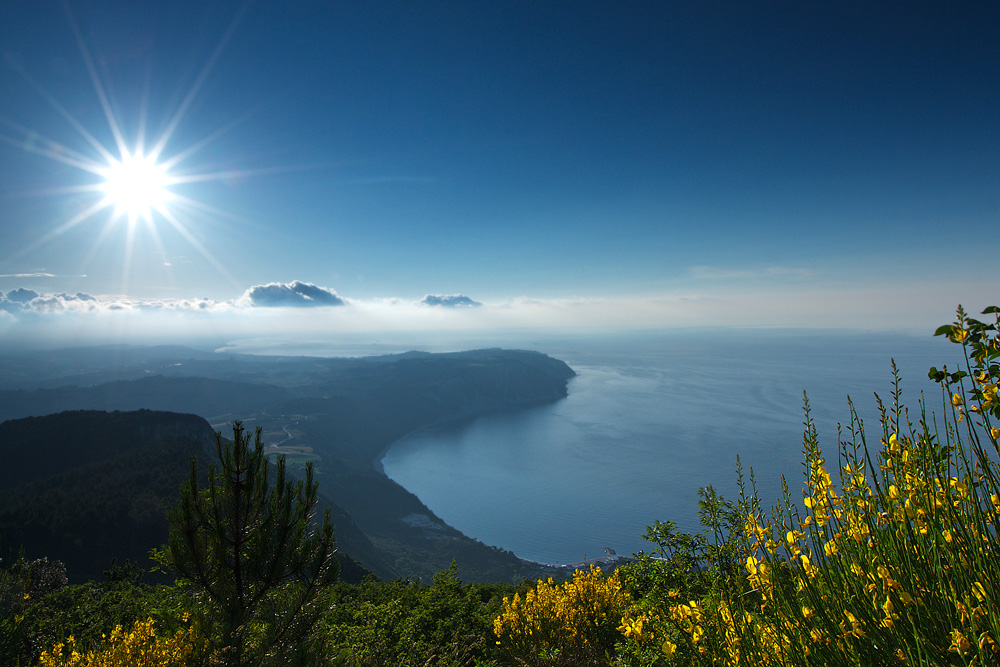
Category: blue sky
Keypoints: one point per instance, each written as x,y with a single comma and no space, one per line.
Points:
559,164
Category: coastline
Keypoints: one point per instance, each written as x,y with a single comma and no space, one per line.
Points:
606,564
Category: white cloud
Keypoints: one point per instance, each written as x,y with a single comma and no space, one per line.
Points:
27,275
21,295
449,301
296,294
26,302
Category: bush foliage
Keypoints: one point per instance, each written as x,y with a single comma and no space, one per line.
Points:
573,622
139,647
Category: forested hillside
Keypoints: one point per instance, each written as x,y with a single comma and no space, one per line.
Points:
338,413
88,488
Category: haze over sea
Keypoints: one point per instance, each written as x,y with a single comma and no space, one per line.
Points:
649,420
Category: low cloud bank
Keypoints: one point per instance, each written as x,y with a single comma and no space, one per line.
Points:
32,318
295,294
23,302
449,301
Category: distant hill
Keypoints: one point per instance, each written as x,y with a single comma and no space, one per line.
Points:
196,395
339,413
88,366
86,487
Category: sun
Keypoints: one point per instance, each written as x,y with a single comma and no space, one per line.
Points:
136,186
134,178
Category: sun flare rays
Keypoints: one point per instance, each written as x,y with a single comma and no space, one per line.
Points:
135,179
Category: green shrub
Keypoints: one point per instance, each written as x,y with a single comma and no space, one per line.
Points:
406,623
894,559
139,647
572,622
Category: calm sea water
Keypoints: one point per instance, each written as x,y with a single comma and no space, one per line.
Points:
649,420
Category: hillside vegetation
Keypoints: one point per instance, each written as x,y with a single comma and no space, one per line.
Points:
887,557
87,487
338,413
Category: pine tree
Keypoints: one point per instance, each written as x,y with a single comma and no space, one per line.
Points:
252,551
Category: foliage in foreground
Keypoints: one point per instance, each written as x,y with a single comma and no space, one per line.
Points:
447,623
573,622
42,610
139,647
893,562
406,623
250,552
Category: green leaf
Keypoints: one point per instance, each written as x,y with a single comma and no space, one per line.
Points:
991,309
944,330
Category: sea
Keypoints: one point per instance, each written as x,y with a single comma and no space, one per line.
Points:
652,417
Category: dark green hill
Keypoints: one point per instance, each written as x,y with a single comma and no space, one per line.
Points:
87,487
42,447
